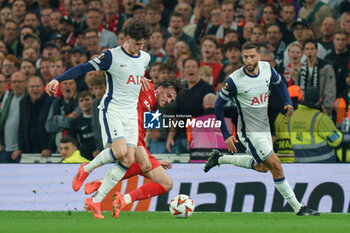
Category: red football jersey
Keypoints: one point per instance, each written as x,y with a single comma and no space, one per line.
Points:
147,103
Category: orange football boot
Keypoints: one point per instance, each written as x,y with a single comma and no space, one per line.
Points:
92,186
94,207
118,204
79,178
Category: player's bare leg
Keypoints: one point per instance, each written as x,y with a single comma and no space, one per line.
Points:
275,167
141,157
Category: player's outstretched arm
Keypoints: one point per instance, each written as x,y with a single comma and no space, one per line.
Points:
71,73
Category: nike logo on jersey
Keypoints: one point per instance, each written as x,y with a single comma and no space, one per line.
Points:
84,127
245,92
121,65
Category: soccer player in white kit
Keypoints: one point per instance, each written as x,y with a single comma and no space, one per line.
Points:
124,68
248,87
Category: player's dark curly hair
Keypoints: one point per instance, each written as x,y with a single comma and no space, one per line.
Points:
251,45
137,30
172,82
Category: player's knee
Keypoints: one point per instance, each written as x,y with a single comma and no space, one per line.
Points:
146,167
168,184
119,152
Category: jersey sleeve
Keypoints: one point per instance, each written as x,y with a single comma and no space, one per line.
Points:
103,61
226,94
281,86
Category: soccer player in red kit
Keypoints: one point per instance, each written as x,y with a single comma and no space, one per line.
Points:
146,164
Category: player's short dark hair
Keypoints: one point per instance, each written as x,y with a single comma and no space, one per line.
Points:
232,45
137,30
172,82
309,40
251,45
191,59
84,94
69,139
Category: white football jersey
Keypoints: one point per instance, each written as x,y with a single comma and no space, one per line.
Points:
123,74
250,93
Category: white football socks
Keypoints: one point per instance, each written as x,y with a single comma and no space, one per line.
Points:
114,175
127,198
286,191
102,158
244,161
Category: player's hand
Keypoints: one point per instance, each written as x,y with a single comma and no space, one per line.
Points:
230,144
51,87
95,153
289,110
169,142
165,164
145,84
46,153
15,155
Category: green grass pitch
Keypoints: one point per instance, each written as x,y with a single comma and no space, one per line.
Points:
139,222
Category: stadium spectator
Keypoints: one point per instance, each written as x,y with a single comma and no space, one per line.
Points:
312,133
19,9
215,18
153,18
27,67
33,112
317,72
3,92
328,28
98,86
247,31
32,40
176,25
205,74
128,6
227,14
208,47
287,19
3,47
185,9
50,49
202,14
10,34
95,4
179,63
345,23
179,47
338,57
66,30
79,8
9,65
138,12
69,151
63,110
111,20
258,34
314,12
94,22
250,13
55,17
275,43
232,52
45,20
78,56
92,42
189,103
5,14
269,14
156,41
45,70
9,119
32,55
291,72
81,128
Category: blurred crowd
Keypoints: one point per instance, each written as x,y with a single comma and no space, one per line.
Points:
306,41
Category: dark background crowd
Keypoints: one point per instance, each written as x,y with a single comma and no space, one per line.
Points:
306,41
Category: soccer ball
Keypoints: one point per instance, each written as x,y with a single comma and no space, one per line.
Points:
181,206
